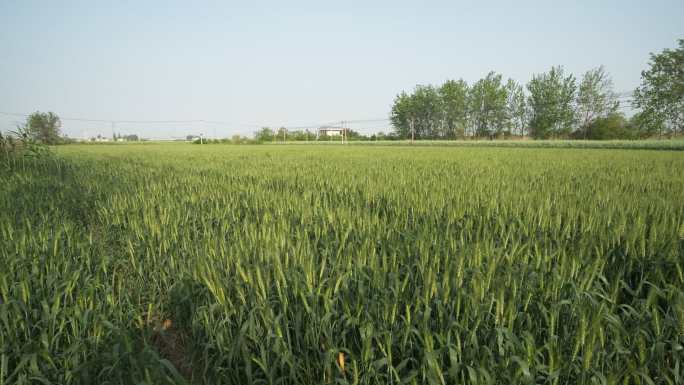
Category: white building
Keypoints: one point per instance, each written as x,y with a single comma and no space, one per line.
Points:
331,131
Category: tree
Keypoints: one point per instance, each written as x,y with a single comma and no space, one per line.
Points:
43,127
551,103
647,123
612,126
264,135
453,96
417,115
426,112
281,134
488,102
661,94
595,98
401,114
297,135
517,107
354,135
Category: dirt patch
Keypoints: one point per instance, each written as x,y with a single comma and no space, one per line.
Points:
171,342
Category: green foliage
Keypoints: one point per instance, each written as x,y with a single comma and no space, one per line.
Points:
425,109
453,96
611,127
488,99
648,124
661,94
43,127
517,111
266,134
130,138
454,110
551,98
595,100
342,265
555,107
235,139
8,146
16,147
431,112
401,115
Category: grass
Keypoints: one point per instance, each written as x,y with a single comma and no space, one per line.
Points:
329,264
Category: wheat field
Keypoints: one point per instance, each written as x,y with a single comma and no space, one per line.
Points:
185,264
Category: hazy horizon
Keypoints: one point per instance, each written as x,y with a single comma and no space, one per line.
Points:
299,64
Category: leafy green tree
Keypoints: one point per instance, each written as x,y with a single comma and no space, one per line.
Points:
417,115
611,126
595,99
296,136
453,96
516,107
264,135
647,123
426,111
488,105
43,127
282,134
355,135
661,94
401,114
551,97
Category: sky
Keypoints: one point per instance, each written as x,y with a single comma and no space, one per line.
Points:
243,65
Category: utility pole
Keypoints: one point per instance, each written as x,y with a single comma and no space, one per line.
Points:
201,138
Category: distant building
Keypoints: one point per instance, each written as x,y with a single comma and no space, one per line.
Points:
331,131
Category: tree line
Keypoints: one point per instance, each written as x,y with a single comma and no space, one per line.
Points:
552,104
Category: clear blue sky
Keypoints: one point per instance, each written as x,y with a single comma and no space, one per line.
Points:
297,63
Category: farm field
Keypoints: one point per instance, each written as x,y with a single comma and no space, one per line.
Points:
293,264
